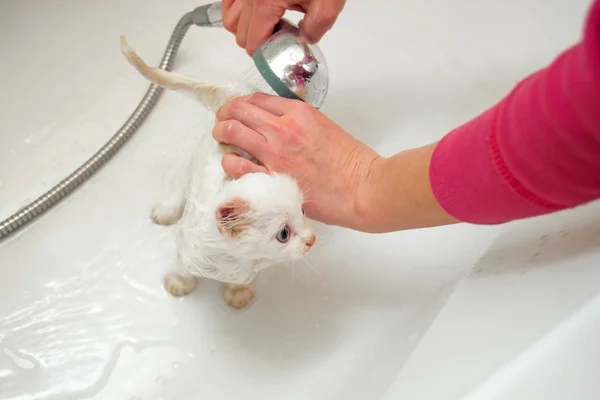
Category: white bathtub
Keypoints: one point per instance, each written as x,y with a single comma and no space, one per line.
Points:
82,310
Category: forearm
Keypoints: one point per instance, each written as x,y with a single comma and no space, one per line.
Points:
398,196
537,151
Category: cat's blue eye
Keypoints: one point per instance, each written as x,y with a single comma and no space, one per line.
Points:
284,234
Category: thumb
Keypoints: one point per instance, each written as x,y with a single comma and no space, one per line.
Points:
237,166
320,17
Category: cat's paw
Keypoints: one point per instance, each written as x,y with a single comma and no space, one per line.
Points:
167,214
179,285
238,296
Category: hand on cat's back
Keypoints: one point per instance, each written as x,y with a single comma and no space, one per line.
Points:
292,137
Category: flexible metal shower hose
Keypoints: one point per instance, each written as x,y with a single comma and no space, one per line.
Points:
84,172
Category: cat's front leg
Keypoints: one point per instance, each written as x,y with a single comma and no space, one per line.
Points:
170,210
179,282
238,296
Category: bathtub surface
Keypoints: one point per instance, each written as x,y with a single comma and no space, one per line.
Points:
82,310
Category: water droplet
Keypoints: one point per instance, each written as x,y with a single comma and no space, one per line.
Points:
160,380
176,366
28,140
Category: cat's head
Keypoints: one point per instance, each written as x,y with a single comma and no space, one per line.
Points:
263,215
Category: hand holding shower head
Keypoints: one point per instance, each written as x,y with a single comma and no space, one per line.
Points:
289,63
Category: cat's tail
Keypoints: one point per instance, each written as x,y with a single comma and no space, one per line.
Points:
211,94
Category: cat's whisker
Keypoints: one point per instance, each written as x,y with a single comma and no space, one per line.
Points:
310,266
306,192
302,186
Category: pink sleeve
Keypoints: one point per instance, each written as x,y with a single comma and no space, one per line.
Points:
536,151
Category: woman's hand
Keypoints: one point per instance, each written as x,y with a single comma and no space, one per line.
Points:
292,137
253,21
344,182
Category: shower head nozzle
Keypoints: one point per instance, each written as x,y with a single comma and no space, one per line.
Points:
294,67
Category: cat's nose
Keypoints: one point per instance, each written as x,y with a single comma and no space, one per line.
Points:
311,240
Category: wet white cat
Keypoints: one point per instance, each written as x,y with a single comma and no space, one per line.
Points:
229,230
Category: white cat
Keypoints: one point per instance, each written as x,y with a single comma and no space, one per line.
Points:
229,230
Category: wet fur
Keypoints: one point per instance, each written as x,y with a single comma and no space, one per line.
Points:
227,228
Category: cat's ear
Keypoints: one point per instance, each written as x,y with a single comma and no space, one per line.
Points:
233,216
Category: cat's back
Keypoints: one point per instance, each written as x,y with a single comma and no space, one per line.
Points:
207,175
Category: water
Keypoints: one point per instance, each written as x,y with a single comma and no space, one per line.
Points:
71,326
252,77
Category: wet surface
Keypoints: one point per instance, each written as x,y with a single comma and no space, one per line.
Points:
82,309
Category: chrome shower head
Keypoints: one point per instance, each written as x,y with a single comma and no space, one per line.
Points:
289,63
292,66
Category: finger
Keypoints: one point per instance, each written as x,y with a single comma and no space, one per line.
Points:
225,6
275,105
232,16
297,7
242,28
262,24
320,17
235,133
248,114
237,166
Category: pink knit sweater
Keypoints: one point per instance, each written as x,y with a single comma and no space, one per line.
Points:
535,152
